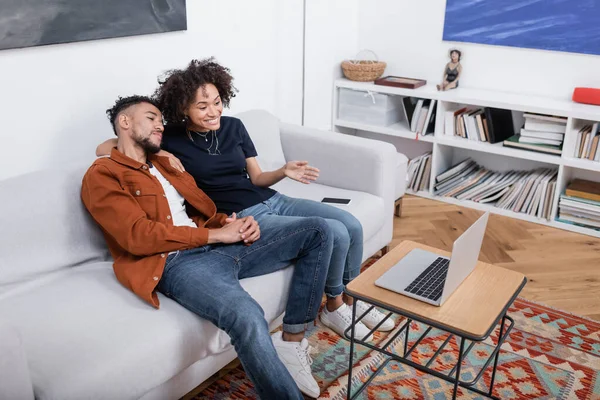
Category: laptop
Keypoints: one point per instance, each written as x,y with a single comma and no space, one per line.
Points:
431,278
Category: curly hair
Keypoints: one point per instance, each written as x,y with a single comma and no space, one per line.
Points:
123,103
178,88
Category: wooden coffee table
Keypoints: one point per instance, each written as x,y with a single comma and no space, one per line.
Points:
471,313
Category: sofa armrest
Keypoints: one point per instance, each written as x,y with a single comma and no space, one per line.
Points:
15,381
345,161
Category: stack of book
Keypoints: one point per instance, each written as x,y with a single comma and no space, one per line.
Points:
491,125
541,133
419,170
420,115
587,143
580,205
530,192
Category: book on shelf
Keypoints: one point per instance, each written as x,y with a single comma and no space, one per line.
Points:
538,134
481,127
446,186
580,205
408,106
414,121
418,172
579,211
545,123
527,192
542,135
537,140
587,142
575,220
594,149
584,189
450,120
454,170
428,125
479,124
515,142
500,124
545,117
420,115
421,120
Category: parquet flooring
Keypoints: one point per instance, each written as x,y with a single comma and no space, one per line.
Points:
563,268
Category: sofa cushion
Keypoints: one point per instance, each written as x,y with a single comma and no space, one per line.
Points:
367,208
45,227
263,128
86,336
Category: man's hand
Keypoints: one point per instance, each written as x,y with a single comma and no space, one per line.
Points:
174,161
230,219
235,230
300,171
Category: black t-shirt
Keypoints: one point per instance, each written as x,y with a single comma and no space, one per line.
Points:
217,161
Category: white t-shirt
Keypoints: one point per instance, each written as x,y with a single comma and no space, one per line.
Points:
176,201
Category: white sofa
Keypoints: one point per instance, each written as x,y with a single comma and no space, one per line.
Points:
69,330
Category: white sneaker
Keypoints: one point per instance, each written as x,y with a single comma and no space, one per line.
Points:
296,358
373,317
339,320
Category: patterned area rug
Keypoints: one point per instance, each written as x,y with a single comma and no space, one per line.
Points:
550,354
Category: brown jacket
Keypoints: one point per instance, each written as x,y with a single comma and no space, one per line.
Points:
130,206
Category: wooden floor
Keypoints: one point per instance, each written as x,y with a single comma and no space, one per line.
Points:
563,268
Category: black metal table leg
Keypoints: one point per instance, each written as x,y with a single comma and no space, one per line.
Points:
460,355
351,350
408,322
500,340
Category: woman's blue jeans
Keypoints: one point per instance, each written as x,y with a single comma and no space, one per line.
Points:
347,233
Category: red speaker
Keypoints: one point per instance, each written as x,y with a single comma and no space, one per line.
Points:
587,96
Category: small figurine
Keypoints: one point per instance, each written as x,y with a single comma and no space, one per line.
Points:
452,71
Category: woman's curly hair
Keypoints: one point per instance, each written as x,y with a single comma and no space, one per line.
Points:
178,87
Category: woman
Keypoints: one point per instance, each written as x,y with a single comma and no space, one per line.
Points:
452,72
218,152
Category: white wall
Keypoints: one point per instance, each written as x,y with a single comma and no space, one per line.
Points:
53,98
407,34
331,37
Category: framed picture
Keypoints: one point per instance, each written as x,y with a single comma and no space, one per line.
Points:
570,26
28,23
399,81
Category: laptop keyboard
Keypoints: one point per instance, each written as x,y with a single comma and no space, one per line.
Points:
431,281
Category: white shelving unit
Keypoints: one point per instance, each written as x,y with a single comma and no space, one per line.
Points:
449,150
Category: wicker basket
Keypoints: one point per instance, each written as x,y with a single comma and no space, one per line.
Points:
363,70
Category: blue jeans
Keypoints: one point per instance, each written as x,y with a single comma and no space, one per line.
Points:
205,280
347,232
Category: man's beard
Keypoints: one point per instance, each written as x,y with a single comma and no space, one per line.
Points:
147,145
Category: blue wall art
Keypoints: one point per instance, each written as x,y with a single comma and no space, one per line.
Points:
25,23
561,25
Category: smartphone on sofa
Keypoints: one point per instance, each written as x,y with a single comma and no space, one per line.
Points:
336,201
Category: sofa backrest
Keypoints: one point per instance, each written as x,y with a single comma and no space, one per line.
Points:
44,226
263,128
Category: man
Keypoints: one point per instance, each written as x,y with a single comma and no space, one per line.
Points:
165,235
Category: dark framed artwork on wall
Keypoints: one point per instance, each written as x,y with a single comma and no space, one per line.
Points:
27,23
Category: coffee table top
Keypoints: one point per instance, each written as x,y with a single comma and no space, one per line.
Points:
472,311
